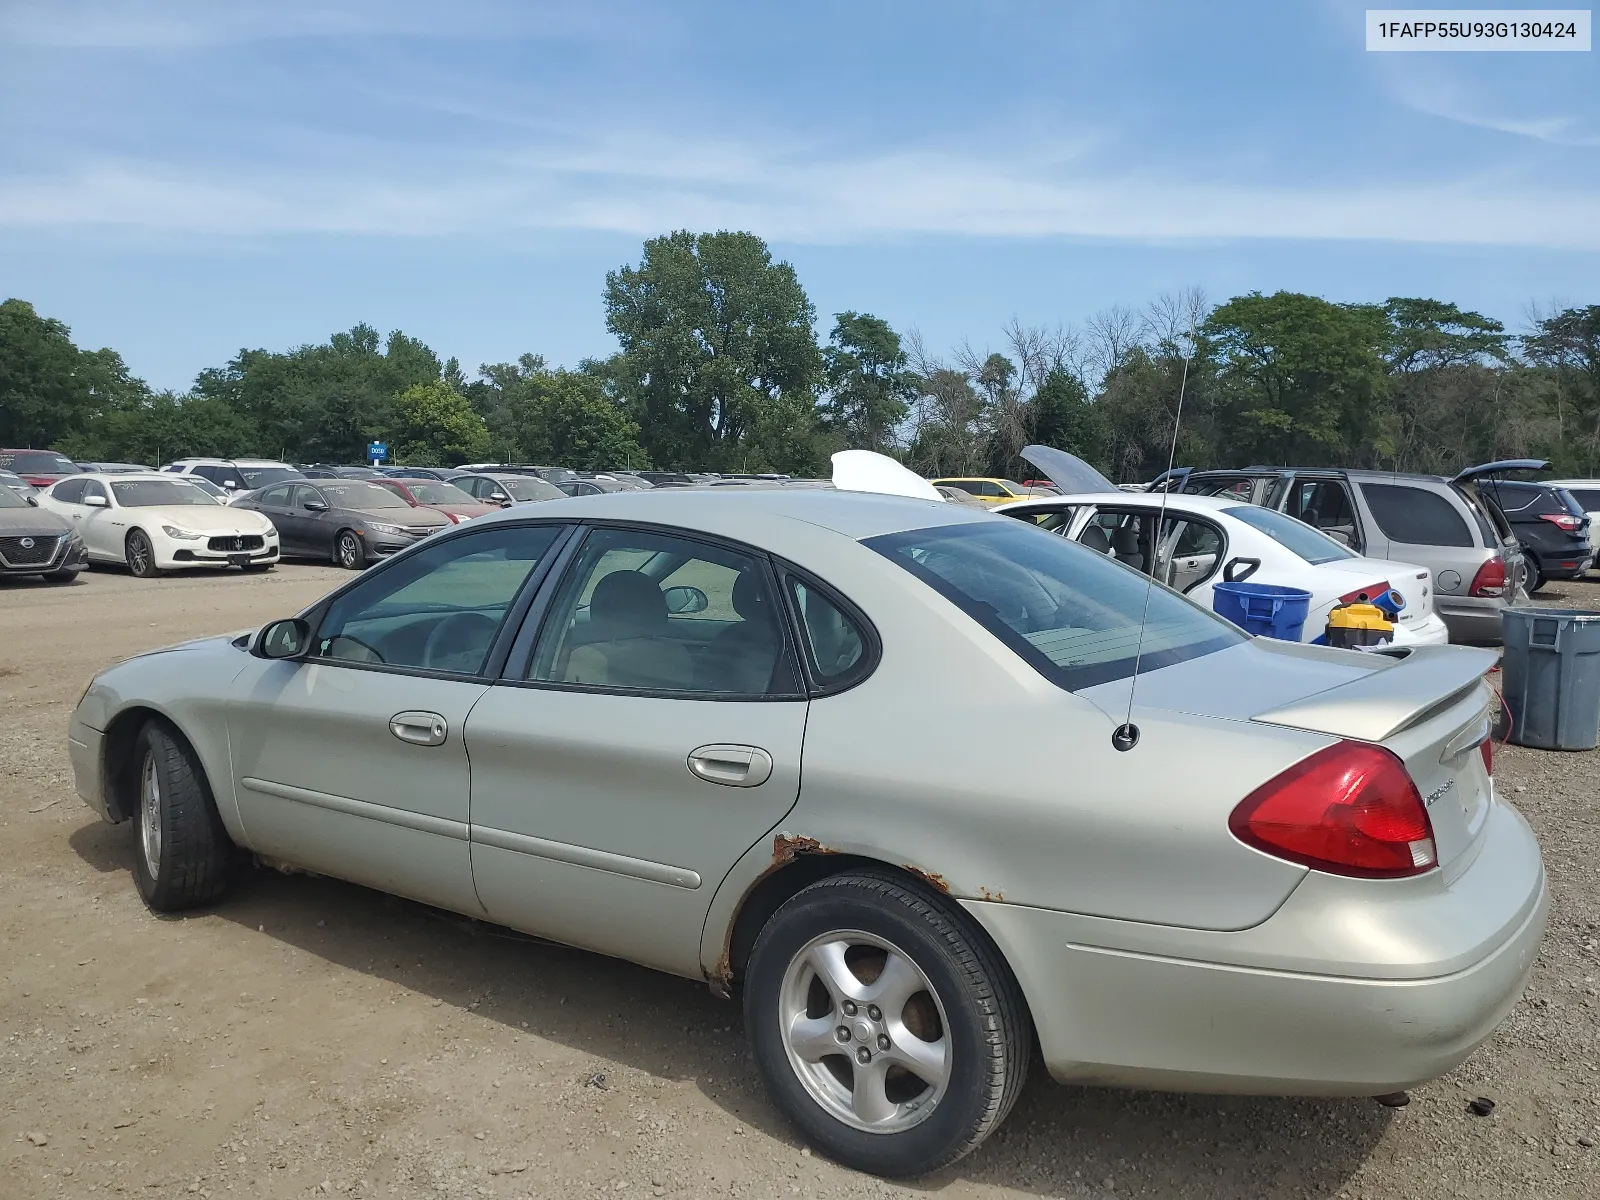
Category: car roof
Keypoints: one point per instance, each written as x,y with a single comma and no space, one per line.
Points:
125,476
1356,472
1138,499
757,515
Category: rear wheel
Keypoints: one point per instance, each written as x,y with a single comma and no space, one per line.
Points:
1532,580
184,851
883,1025
348,551
140,555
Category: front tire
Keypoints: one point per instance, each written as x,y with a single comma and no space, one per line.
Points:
883,1024
183,851
141,555
348,551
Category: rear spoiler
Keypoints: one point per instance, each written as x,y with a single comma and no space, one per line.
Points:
1391,698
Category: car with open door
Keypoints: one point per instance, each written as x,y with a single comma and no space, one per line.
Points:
353,522
1450,526
159,522
1190,543
713,736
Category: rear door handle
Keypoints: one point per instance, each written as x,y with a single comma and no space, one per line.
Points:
735,766
419,728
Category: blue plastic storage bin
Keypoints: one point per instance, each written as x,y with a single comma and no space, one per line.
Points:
1263,609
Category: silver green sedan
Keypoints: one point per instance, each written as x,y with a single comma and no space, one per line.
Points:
713,735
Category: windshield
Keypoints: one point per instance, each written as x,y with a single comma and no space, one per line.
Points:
147,493
360,495
10,499
1071,613
428,492
1295,536
529,487
260,477
38,462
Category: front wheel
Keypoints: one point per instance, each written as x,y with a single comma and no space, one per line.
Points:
141,555
184,850
883,1025
348,551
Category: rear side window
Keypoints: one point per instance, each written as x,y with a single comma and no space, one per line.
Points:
1519,499
838,648
1416,515
1071,614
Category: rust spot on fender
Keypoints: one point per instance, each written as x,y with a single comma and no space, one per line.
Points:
786,847
997,897
929,878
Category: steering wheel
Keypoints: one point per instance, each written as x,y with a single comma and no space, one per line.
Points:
454,638
339,646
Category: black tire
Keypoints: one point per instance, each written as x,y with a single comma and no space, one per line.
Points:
348,551
188,863
985,1030
1532,579
61,577
141,555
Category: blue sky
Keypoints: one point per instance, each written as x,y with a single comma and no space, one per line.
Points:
180,179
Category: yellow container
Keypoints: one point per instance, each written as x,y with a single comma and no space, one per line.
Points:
1354,626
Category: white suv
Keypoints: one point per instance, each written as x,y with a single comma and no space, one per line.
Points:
235,474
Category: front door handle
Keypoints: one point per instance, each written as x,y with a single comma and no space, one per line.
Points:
419,728
735,766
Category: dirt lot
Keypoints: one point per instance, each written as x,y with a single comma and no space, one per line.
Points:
309,1037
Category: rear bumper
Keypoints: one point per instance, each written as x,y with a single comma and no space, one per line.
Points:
1473,620
1431,631
1151,1012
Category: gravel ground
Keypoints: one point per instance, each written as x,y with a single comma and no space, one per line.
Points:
308,1037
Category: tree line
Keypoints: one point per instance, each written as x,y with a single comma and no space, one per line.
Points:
719,367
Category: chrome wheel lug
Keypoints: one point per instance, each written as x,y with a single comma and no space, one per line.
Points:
842,1034
883,1041
874,1012
848,1008
863,1056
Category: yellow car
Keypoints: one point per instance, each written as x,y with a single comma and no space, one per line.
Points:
992,490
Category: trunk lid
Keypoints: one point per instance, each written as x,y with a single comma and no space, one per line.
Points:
1067,471
1414,583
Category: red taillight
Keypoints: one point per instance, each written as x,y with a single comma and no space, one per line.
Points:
1350,809
1487,750
1366,594
1562,520
1490,579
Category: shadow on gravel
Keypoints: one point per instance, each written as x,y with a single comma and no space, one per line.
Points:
1056,1141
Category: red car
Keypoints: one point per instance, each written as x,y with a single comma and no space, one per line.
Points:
443,497
39,467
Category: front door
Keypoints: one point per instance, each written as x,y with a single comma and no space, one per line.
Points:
273,503
650,737
104,529
352,761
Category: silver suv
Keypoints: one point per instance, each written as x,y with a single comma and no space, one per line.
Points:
1446,525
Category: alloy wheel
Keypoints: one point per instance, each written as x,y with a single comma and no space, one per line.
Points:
349,551
140,556
150,816
864,1031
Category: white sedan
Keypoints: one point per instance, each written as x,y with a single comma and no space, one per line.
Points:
160,522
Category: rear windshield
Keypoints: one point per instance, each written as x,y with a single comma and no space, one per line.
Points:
1295,536
428,492
361,495
38,462
148,493
1071,613
260,477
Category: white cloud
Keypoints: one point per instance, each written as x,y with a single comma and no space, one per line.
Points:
650,186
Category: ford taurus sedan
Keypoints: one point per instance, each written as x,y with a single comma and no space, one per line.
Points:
711,735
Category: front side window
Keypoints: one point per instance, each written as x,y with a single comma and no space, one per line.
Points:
438,609
1295,536
148,493
93,490
278,496
1071,614
653,612
69,491
1055,520
305,495
1416,516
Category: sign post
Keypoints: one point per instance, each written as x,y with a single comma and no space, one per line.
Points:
377,452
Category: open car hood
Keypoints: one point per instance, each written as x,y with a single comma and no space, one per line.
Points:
866,471
1067,471
1497,468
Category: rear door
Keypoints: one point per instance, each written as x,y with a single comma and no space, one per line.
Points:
631,754
1418,523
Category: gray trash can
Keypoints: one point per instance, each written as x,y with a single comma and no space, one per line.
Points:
1551,676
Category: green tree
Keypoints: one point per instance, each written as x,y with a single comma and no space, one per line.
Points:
434,425
1302,380
716,340
566,420
1060,414
870,387
51,391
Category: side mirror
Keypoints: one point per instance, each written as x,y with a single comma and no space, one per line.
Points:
499,498
686,600
97,502
1339,536
288,638
33,501
1237,570
314,506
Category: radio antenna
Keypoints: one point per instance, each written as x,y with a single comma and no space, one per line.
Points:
1126,736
